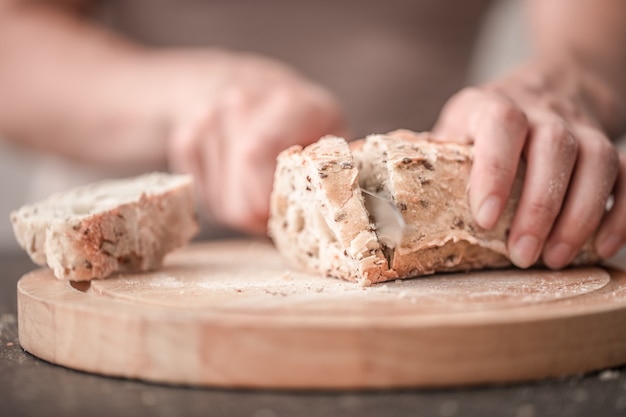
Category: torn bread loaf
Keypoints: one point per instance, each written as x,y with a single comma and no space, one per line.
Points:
110,226
319,220
318,217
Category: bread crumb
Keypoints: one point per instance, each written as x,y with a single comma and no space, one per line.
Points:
363,282
9,344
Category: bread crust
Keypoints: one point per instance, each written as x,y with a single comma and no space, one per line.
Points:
317,215
428,182
134,235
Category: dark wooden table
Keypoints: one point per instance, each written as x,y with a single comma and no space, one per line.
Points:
31,387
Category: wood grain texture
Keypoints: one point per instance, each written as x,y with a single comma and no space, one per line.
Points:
233,314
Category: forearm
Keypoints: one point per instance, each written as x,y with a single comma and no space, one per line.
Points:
588,35
72,88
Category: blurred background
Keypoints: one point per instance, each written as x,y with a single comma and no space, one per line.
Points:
501,44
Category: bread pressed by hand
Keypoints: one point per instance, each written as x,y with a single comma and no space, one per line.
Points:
110,226
426,180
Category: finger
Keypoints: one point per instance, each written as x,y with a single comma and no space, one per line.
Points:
226,176
592,181
184,153
253,159
550,158
182,148
500,135
248,153
213,164
498,129
612,233
457,120
287,117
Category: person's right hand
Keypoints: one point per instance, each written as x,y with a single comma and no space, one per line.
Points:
233,114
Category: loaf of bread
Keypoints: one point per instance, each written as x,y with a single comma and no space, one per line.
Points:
107,227
319,221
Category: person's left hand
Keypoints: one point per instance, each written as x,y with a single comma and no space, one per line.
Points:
558,118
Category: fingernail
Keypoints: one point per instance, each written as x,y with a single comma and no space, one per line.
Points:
488,212
525,251
559,255
607,246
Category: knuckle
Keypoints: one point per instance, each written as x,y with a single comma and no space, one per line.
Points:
600,147
622,160
466,95
576,236
606,155
597,147
500,169
284,94
612,158
507,112
542,209
615,169
576,227
471,91
183,148
562,137
556,105
238,99
619,227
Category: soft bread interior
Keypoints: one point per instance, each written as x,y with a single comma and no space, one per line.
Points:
300,223
102,196
374,177
318,218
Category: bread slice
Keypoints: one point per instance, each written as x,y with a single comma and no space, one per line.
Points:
318,218
107,227
426,180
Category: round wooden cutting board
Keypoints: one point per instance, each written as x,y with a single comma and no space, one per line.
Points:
232,314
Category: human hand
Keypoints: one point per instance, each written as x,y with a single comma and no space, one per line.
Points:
559,121
233,115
